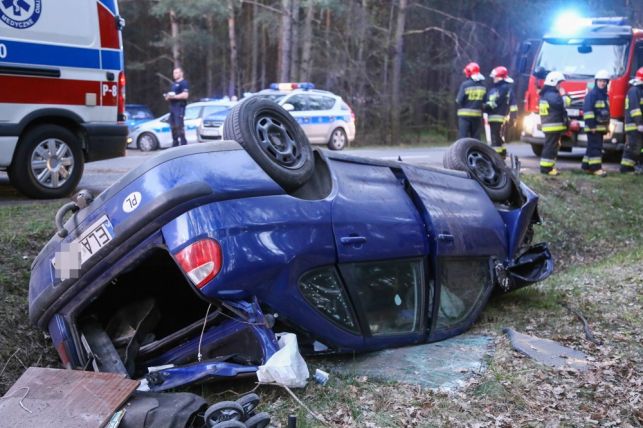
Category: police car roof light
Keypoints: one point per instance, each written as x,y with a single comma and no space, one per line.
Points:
616,20
289,86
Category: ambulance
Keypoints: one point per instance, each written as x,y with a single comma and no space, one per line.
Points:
62,91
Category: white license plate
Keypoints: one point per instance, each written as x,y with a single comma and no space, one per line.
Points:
214,132
99,234
573,112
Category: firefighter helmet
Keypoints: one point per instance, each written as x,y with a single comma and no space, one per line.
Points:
471,69
602,75
639,74
499,72
554,78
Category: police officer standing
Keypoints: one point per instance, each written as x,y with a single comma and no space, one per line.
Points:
553,119
177,97
631,161
469,100
500,103
596,112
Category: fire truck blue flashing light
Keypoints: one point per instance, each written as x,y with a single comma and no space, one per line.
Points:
289,86
570,22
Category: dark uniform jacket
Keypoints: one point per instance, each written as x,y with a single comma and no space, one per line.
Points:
470,98
500,102
633,103
553,115
596,110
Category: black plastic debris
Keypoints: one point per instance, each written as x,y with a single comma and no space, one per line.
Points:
163,410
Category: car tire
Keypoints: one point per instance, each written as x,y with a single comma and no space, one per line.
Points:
338,139
260,420
249,402
48,162
483,164
222,412
537,149
274,139
147,142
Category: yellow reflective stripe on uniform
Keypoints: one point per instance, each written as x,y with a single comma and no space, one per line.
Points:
501,149
599,104
589,115
553,127
594,161
547,162
635,112
630,126
567,101
469,112
627,162
496,118
601,128
513,108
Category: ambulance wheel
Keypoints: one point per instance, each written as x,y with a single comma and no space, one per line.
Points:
537,149
274,139
48,162
483,164
338,139
147,142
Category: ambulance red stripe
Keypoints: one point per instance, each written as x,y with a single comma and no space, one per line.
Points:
31,90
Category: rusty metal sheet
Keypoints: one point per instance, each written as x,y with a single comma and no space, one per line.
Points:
64,398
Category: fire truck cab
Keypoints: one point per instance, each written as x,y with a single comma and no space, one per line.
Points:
579,50
62,95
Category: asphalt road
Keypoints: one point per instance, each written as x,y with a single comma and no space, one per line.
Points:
100,175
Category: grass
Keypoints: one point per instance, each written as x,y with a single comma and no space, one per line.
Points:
594,229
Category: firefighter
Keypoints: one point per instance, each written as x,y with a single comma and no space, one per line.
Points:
470,98
499,105
553,117
596,112
631,161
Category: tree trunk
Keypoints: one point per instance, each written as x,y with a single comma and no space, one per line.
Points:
307,42
232,83
328,47
210,62
174,31
285,42
254,49
397,70
361,63
294,51
264,58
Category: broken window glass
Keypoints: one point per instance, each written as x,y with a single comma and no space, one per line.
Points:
323,289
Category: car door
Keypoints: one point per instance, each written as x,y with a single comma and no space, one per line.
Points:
381,249
301,113
322,117
191,121
467,236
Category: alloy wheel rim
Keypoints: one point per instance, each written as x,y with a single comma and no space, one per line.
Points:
147,143
483,168
52,163
339,141
277,141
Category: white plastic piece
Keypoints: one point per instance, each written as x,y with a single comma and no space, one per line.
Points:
286,366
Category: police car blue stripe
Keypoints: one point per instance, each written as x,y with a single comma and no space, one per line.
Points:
61,56
317,120
110,5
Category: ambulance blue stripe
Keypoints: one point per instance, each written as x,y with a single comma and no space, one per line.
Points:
60,56
110,5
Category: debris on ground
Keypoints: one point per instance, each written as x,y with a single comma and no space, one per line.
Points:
547,351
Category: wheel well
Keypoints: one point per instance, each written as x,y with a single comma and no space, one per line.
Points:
64,122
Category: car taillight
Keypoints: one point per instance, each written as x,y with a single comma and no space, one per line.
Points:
121,97
201,261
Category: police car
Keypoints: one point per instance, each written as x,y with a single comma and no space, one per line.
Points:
324,116
136,114
157,134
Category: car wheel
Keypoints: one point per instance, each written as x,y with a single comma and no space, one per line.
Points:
537,149
48,162
147,142
249,402
222,412
260,420
338,139
483,164
273,138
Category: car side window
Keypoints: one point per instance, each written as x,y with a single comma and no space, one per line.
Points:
324,290
389,294
191,113
320,102
462,285
299,102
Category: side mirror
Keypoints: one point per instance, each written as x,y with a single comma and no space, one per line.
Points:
165,119
288,107
525,47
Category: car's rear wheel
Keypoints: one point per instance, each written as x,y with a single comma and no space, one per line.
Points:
48,162
273,138
147,142
483,164
338,139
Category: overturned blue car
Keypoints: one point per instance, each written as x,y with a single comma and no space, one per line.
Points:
184,270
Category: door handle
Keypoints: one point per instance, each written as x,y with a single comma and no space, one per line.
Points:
352,240
446,237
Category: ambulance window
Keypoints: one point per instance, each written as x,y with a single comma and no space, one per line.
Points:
192,113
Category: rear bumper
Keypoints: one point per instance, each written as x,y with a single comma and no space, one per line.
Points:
104,141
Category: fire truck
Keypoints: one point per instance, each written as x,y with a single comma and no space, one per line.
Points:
579,48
